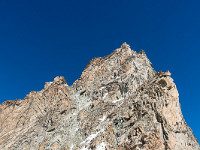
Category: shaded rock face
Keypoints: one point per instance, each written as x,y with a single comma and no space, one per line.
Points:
118,103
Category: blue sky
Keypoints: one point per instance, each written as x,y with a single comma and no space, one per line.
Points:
43,39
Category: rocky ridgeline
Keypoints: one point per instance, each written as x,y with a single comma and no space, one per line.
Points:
118,103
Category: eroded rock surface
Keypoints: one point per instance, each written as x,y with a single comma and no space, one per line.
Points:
118,103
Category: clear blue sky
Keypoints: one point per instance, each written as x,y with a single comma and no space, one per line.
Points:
42,39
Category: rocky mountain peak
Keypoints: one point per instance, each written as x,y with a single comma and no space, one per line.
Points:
118,103
124,50
59,80
120,64
125,46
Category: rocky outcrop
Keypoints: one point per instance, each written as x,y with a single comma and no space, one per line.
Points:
118,103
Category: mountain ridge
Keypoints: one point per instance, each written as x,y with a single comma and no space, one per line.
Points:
119,102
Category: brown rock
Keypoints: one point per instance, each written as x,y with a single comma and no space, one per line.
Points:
118,103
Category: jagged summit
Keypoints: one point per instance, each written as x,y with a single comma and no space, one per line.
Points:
124,50
125,46
118,103
60,80
121,65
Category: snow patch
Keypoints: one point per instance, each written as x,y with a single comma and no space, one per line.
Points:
102,146
105,96
76,129
65,84
71,148
92,136
120,104
117,100
102,88
84,148
103,118
74,114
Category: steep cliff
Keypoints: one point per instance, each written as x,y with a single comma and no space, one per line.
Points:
118,103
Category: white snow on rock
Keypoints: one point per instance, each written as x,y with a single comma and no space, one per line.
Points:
103,118
65,84
105,96
72,146
117,100
102,146
103,87
84,148
92,136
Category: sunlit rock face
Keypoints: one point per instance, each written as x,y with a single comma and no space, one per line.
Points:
118,103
